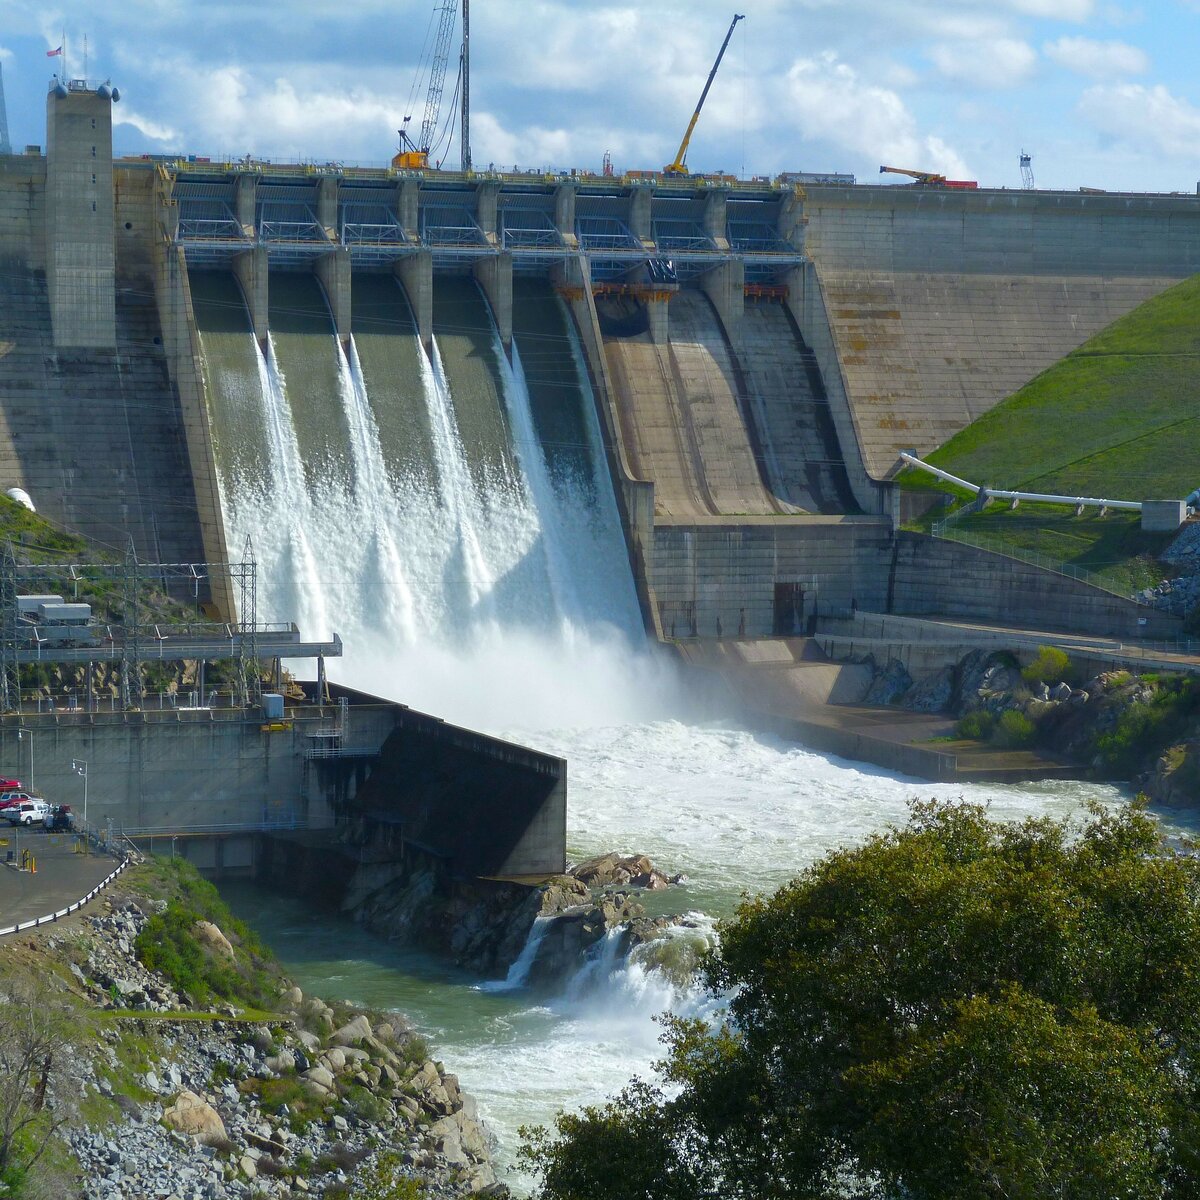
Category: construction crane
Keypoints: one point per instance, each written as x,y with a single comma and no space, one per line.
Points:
922,178
677,167
930,179
414,155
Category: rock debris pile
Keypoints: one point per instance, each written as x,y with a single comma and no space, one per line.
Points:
207,1108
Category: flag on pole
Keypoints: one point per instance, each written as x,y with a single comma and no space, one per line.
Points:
52,53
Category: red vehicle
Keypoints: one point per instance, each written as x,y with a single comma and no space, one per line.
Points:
8,799
10,785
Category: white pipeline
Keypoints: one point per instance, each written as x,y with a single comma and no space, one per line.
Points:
998,494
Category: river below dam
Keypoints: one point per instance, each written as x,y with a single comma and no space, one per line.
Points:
737,812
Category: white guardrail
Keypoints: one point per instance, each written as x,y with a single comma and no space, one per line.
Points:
49,918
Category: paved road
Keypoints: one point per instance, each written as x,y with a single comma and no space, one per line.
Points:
62,877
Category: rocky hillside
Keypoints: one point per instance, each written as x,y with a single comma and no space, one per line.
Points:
176,1089
1116,725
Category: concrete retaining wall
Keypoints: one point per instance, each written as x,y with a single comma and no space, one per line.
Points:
745,573
934,577
217,778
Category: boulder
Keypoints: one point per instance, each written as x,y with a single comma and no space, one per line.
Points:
309,1041
292,998
353,1032
321,1076
211,938
191,1114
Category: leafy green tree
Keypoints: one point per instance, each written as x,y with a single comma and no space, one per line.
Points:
961,1009
1049,666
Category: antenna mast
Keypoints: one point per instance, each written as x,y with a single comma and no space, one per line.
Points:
466,87
5,144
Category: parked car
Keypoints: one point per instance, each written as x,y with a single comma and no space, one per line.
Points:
10,785
8,799
27,812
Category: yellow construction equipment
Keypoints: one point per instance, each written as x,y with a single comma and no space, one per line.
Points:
926,178
414,155
677,167
932,179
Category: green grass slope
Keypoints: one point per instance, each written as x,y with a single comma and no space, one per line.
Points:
1117,418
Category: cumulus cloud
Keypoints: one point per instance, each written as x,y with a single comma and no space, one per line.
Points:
1146,117
829,100
992,63
1099,60
122,115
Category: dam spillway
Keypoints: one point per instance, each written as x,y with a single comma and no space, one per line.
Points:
428,502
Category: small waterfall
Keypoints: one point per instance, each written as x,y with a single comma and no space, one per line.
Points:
533,467
518,972
604,959
454,476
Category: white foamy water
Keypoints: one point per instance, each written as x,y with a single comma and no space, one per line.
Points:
737,812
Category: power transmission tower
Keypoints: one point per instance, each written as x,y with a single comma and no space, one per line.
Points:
10,673
1027,171
5,144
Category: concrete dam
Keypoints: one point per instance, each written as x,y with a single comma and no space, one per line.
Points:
439,404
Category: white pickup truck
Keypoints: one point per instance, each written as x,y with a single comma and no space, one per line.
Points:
27,812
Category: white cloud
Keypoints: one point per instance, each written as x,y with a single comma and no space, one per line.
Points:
828,101
1060,10
1145,117
123,115
1099,60
994,63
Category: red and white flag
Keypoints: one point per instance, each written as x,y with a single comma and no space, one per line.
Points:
52,53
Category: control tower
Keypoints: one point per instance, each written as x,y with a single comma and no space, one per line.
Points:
80,247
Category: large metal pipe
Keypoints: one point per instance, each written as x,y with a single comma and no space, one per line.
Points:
1004,494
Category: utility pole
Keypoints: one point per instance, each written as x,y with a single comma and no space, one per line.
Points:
466,87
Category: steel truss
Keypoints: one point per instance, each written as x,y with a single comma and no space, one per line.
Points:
131,575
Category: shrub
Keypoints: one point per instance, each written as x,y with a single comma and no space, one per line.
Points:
978,724
366,1106
1015,729
1050,665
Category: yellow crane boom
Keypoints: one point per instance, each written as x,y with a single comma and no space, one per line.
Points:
677,167
926,177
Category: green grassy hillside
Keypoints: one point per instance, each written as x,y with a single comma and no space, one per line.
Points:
1117,418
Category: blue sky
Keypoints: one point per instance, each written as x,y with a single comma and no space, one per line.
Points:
1102,93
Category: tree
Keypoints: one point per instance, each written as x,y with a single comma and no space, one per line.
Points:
955,1010
38,1036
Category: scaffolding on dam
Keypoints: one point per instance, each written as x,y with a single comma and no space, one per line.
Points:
134,642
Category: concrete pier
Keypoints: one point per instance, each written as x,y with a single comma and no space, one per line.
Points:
333,270
494,276
251,271
415,272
